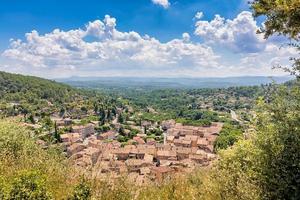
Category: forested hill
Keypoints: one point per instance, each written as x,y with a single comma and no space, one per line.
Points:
16,88
21,94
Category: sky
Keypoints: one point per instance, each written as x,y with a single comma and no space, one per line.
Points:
144,38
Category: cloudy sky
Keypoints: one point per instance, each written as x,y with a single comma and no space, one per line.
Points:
145,38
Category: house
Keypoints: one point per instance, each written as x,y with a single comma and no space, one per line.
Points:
173,131
211,139
182,142
109,135
136,154
139,140
67,122
193,139
147,149
161,173
165,125
170,138
71,138
84,130
93,153
166,155
117,166
121,153
148,158
202,143
134,165
95,143
75,148
182,152
184,131
198,158
160,146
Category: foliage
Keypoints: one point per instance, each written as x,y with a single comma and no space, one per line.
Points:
29,186
282,17
82,191
229,134
279,140
267,165
23,164
36,97
119,189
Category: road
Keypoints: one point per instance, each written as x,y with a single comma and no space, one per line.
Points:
234,116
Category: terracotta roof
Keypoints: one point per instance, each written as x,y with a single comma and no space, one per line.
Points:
166,153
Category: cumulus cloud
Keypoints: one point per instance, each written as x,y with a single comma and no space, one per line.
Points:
238,34
110,49
199,15
163,3
100,49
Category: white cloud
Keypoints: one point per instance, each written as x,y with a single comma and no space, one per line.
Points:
186,37
100,49
238,34
163,3
109,50
199,15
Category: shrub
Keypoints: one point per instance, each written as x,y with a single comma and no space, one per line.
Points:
82,191
29,185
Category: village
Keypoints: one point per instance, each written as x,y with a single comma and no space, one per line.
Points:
143,159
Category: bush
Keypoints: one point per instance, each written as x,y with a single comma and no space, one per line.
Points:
29,185
82,191
24,164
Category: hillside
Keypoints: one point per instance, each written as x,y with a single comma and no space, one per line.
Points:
28,95
15,87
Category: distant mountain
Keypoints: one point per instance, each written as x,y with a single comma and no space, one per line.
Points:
138,82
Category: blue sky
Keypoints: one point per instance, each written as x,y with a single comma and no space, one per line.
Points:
18,16
102,54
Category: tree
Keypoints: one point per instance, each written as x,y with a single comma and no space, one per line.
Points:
31,119
120,118
102,114
279,142
121,131
62,112
109,116
96,108
56,133
229,134
282,17
24,111
267,165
